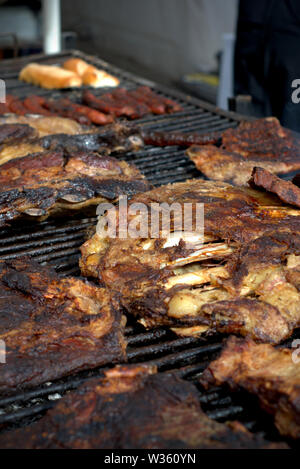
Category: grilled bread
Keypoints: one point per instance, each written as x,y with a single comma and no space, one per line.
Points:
50,77
91,76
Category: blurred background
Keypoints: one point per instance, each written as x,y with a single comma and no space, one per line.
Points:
175,42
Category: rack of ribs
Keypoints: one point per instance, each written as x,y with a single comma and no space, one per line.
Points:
133,408
53,327
240,277
265,371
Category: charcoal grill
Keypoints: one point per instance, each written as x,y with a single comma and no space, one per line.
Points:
57,242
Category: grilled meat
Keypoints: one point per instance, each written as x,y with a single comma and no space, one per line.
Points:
115,139
4,109
63,108
132,408
47,125
234,279
286,190
94,116
36,105
52,182
12,133
263,143
17,107
53,327
133,104
108,105
163,139
269,373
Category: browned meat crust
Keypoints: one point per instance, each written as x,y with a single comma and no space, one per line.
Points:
269,373
53,327
51,182
12,133
286,190
114,139
238,281
263,143
163,139
132,408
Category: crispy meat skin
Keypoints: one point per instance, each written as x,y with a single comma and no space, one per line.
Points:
132,408
263,143
269,373
53,327
238,281
51,182
286,190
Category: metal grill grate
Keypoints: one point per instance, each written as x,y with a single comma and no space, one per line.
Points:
57,242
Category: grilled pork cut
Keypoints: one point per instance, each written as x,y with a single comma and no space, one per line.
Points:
115,139
53,327
133,408
271,374
242,277
53,182
263,143
285,190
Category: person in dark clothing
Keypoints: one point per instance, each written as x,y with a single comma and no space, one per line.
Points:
267,59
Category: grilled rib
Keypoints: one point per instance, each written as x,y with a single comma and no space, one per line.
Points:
263,143
286,190
52,182
269,373
238,279
133,408
53,327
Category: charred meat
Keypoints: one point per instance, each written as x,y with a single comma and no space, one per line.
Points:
11,133
239,277
265,371
132,408
53,327
164,139
263,143
286,190
51,182
114,139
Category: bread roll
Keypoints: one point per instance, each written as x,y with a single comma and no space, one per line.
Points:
91,76
50,77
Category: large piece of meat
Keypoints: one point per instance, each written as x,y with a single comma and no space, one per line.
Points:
53,182
241,277
133,408
263,143
271,374
114,139
53,327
